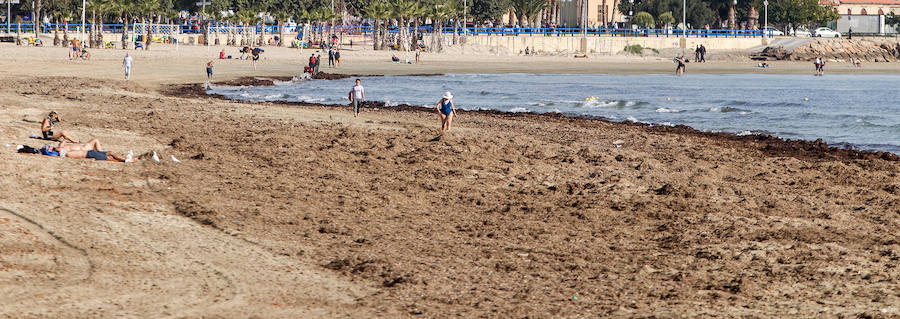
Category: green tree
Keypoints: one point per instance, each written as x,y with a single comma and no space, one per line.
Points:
643,19
528,10
488,10
377,11
666,18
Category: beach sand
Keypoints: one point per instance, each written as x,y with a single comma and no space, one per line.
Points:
286,211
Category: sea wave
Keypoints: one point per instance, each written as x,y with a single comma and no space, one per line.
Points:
612,104
726,109
668,110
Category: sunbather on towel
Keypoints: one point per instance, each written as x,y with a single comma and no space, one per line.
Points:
93,144
47,129
87,151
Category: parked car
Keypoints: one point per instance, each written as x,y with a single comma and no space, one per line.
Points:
774,32
801,32
826,32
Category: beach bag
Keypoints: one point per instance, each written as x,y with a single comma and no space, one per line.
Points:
28,150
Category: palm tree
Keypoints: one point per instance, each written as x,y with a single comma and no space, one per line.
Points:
418,11
438,14
376,11
528,10
319,15
401,10
123,8
281,17
145,8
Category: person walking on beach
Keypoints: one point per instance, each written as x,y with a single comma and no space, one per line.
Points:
820,66
357,97
312,63
337,57
330,58
697,54
447,110
679,70
127,64
418,52
702,53
209,71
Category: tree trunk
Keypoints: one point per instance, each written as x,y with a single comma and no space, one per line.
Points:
149,36
262,34
125,32
18,33
732,23
38,22
56,32
416,34
440,32
455,31
281,33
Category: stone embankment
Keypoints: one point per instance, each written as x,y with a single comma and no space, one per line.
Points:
865,49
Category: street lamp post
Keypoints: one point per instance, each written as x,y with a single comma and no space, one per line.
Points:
684,18
83,10
766,29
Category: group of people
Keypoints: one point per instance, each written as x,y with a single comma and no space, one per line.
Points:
78,51
820,66
313,66
445,107
700,54
334,57
71,148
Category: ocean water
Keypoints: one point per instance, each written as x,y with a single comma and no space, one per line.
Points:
861,111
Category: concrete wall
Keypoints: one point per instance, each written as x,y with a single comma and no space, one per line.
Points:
872,24
610,44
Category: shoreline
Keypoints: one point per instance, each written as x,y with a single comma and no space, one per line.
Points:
768,144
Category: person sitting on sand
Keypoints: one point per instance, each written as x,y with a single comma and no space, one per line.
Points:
447,110
222,54
47,129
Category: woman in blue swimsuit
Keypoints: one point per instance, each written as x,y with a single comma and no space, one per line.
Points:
447,111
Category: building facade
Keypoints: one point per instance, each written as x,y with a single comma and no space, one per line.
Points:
864,16
600,13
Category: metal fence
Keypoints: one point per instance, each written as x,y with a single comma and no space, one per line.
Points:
368,30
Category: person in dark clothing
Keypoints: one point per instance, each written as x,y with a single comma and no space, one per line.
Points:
702,53
330,58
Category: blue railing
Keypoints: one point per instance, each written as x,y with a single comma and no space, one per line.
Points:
368,30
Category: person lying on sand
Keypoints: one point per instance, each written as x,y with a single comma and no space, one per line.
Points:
93,144
47,129
90,150
88,154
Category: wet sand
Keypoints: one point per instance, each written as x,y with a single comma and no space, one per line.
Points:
285,211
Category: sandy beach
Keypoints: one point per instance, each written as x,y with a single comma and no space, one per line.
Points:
288,211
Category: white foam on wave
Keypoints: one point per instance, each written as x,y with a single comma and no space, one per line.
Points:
744,133
518,110
667,110
632,119
304,98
